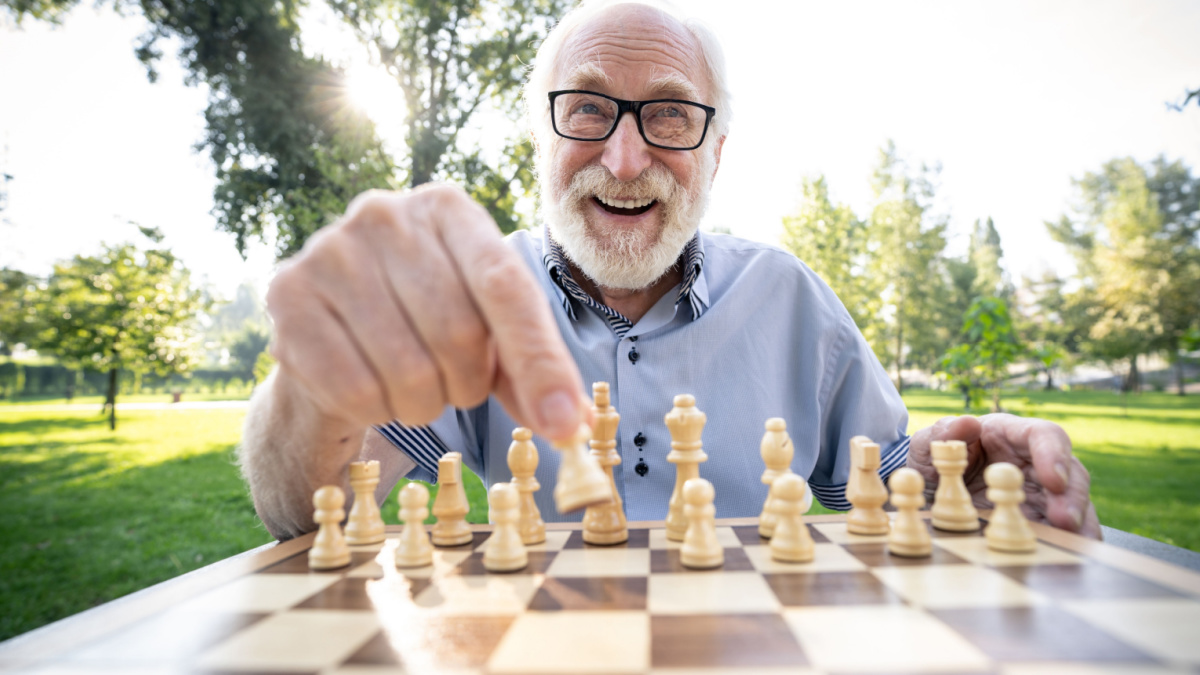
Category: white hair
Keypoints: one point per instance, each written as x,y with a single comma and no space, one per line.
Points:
543,72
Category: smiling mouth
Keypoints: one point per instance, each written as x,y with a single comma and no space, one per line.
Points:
625,207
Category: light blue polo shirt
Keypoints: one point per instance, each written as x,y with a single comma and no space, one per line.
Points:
751,332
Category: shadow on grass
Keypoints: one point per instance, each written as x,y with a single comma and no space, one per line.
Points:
113,531
38,425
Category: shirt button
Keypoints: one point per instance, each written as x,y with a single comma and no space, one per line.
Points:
634,355
639,440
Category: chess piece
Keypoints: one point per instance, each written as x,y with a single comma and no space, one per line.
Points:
1007,529
605,523
523,463
777,452
791,541
701,550
505,552
909,536
581,481
329,550
451,506
687,452
952,509
366,524
414,549
869,494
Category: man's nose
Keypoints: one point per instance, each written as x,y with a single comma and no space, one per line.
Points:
626,154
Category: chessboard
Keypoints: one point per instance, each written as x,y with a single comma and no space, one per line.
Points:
1071,606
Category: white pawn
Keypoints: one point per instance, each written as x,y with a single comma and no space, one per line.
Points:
414,549
909,536
777,452
581,482
701,550
329,549
523,463
791,541
505,552
1007,529
365,525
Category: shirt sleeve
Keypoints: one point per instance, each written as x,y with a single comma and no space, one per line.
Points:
455,431
856,398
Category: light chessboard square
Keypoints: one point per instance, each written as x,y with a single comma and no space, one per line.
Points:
601,562
710,593
555,540
1168,628
949,586
826,558
261,593
300,640
575,642
726,537
885,639
975,550
838,534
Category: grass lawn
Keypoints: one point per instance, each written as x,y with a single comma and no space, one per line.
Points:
92,515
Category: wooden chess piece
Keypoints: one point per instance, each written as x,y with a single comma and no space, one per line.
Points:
701,550
451,506
870,494
952,509
366,524
791,541
605,523
505,552
777,452
909,536
523,463
687,452
581,481
414,549
329,550
1007,530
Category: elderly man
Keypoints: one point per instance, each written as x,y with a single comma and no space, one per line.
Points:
412,328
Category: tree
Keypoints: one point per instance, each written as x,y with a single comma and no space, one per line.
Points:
245,349
905,246
450,58
16,308
831,240
984,253
1134,239
990,346
125,309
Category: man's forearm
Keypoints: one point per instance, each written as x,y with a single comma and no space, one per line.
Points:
289,449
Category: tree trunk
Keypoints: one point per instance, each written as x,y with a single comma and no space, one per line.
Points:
111,399
1179,374
1049,379
70,388
1132,380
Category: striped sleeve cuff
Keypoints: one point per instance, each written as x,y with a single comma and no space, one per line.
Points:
419,443
833,497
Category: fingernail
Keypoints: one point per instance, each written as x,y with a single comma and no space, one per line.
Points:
1061,470
557,414
1076,516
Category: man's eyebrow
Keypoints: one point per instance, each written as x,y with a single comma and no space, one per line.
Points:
674,86
589,76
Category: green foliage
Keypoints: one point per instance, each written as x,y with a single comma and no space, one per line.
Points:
124,309
263,365
990,346
246,348
450,58
17,313
831,240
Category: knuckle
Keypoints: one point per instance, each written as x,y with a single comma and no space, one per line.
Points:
501,275
419,378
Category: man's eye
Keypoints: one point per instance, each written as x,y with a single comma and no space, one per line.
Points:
670,111
588,109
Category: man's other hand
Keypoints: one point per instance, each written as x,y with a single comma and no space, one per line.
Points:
413,301
1056,483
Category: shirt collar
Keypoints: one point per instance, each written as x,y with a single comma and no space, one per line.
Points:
693,289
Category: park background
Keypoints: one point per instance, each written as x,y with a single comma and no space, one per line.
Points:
1002,193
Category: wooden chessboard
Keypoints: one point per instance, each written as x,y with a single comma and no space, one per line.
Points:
1073,606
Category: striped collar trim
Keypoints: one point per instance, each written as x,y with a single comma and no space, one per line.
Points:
560,273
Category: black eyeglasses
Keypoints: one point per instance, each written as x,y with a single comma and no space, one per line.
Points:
667,123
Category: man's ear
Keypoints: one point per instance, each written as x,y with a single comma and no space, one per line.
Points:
717,165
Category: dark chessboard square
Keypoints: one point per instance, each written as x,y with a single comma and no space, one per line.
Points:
733,640
376,652
1091,581
477,538
539,561
830,588
298,564
666,561
347,593
638,538
876,555
1038,633
587,593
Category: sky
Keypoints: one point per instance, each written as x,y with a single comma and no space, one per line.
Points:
1013,99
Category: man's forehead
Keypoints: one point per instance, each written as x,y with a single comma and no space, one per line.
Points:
638,42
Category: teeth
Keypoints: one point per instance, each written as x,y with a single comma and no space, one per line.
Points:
625,203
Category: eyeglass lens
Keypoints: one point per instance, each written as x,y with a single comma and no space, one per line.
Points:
667,123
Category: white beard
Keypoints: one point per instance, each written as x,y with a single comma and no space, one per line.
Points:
624,259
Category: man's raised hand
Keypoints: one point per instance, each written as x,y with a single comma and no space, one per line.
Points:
1056,483
412,301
